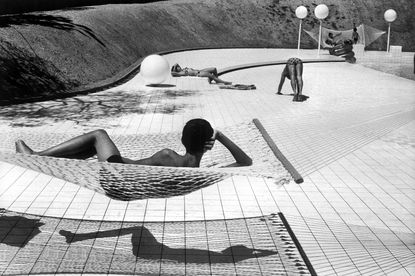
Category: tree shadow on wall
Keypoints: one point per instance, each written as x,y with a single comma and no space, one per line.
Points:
22,6
84,109
47,20
24,75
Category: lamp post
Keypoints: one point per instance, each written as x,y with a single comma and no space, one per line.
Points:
301,13
321,12
390,16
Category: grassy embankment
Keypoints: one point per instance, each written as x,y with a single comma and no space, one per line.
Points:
45,54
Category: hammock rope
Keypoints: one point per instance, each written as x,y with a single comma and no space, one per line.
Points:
132,182
367,34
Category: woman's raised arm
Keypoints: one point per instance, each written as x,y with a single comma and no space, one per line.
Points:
240,156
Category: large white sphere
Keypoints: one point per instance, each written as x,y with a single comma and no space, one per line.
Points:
301,12
390,15
321,11
154,69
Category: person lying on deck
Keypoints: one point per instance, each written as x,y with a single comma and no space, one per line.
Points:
197,137
210,73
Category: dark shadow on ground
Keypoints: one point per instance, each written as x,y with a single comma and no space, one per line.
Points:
17,230
24,75
47,20
160,85
21,6
146,246
115,247
95,106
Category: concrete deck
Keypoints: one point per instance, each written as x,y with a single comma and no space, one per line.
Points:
352,141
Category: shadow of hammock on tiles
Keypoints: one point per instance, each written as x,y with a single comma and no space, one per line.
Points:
60,245
131,182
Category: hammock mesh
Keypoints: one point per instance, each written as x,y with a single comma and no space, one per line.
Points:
132,182
366,33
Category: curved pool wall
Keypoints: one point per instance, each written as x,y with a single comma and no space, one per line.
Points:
104,43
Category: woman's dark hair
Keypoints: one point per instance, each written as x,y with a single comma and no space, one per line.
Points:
175,67
195,134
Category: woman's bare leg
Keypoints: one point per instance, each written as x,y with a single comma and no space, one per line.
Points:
212,77
21,147
293,78
212,70
218,80
95,142
299,74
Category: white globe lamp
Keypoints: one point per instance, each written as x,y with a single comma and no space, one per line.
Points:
390,16
301,12
154,69
321,12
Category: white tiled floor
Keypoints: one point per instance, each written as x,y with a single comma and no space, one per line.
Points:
353,142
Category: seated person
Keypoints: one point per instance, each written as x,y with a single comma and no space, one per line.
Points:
210,73
197,137
347,51
332,40
355,36
343,48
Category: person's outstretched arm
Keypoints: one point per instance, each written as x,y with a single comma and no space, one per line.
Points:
241,158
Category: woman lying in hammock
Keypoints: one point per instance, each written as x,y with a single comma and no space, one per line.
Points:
210,73
198,136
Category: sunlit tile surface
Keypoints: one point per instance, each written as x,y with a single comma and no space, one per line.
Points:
352,141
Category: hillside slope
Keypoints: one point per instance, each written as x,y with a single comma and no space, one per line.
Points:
57,51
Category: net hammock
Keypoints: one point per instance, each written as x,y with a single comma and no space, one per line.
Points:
367,35
132,182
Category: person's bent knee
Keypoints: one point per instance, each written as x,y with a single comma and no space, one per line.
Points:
100,132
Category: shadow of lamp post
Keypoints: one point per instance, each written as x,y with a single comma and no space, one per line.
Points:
321,12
